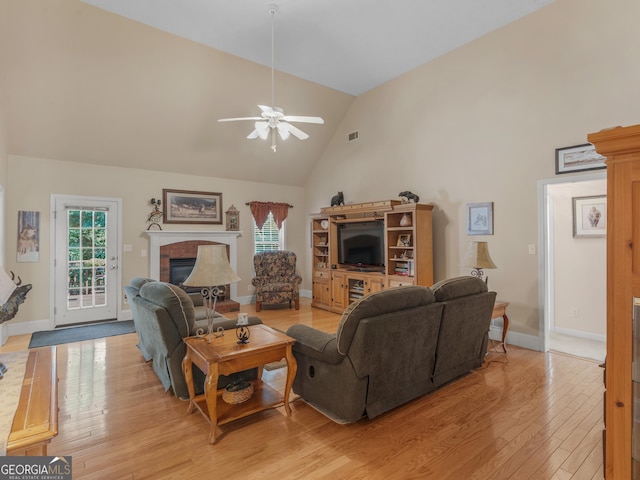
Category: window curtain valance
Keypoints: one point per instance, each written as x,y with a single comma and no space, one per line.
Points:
260,212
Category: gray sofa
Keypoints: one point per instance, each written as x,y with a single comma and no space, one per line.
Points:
393,346
163,314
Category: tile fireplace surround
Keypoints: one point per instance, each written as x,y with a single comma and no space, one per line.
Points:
161,238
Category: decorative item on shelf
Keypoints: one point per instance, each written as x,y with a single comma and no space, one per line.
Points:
237,392
404,240
155,216
478,258
337,199
232,219
408,197
324,224
405,221
242,328
211,272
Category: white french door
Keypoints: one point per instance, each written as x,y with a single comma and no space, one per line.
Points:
86,259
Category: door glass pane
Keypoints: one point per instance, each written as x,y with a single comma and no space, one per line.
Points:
86,253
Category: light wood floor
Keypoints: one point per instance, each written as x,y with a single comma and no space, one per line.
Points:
525,415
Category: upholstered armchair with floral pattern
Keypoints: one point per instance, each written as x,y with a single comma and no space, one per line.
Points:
276,280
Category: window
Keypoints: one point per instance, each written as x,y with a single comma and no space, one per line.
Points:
269,238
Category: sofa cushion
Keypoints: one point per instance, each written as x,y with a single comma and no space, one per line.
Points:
458,287
379,303
175,300
138,282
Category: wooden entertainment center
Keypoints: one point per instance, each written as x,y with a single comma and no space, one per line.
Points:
408,251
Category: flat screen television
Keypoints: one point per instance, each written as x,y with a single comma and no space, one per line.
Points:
361,245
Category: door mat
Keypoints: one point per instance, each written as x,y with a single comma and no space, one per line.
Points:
78,334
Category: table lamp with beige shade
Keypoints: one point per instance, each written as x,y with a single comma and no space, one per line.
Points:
211,273
477,257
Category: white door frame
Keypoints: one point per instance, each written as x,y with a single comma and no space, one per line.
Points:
546,298
52,248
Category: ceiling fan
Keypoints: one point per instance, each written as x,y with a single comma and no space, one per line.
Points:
272,118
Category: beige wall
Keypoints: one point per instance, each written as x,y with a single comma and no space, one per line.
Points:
33,180
579,267
3,181
481,124
85,85
3,150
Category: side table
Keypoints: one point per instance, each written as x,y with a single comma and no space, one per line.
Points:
500,310
222,356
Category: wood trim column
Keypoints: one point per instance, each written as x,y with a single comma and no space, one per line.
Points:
621,146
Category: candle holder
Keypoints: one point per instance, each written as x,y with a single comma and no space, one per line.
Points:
242,328
154,217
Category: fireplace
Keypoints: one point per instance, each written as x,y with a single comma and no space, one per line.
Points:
182,249
179,271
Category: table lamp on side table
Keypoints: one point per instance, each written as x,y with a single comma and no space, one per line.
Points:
478,257
211,271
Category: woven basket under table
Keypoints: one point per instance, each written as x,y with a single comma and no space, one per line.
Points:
238,396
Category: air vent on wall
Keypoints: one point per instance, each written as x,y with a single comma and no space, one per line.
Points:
352,137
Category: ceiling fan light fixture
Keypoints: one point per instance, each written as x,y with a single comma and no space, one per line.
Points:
272,118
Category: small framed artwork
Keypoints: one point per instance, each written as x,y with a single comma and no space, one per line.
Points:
578,158
187,206
590,216
480,218
404,240
28,236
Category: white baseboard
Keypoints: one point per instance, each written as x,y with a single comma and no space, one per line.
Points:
580,334
22,328
516,338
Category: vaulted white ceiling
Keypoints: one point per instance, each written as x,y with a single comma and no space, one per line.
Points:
349,45
102,82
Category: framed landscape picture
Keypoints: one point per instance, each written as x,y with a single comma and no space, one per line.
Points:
590,216
578,158
187,206
480,218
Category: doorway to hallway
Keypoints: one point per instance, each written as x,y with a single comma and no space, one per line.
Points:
573,270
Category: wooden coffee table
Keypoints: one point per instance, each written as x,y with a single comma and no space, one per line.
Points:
223,356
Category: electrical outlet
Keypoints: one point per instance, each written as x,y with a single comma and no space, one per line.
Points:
575,313
532,249
143,253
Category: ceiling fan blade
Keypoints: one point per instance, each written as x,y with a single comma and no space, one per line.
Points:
283,130
262,131
296,131
303,119
238,118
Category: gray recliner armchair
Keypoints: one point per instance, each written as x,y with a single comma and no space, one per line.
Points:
163,315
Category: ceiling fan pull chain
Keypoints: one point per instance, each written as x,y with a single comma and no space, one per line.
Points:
273,9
